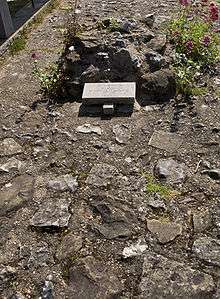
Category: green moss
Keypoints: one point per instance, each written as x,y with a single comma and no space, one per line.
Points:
155,187
199,91
18,44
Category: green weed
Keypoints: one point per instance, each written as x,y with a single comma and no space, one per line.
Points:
18,44
155,187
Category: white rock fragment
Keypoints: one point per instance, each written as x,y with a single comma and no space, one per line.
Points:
13,164
122,133
71,48
88,129
64,183
135,249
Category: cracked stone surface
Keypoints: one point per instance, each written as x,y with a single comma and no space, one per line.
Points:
179,280
169,142
76,218
19,191
89,279
101,175
52,214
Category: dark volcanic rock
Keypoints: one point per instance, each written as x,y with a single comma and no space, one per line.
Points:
166,279
90,75
170,171
114,230
87,44
122,61
13,196
93,279
208,250
158,86
155,60
212,173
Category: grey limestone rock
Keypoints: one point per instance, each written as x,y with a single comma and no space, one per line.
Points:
163,278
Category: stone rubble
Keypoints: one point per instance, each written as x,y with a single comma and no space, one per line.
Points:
135,249
52,214
170,171
122,133
101,175
9,147
172,279
88,129
11,165
77,216
64,183
164,231
207,249
169,142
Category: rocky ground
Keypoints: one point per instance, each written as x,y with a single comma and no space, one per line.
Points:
83,212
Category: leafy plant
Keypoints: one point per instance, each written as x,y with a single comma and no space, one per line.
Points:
50,78
193,34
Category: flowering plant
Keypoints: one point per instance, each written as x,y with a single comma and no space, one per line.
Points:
49,77
194,36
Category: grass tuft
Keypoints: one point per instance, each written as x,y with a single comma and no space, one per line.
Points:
18,44
155,187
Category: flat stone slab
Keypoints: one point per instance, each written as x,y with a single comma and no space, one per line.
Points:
109,93
170,142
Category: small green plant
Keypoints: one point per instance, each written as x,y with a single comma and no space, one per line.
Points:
196,42
50,78
111,24
18,44
154,187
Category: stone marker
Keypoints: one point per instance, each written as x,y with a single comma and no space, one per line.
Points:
109,93
6,25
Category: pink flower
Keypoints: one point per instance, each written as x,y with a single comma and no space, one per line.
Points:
213,10
184,2
34,56
206,40
189,46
